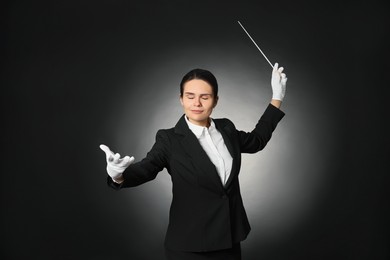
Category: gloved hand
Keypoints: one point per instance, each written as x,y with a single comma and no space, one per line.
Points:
278,83
116,165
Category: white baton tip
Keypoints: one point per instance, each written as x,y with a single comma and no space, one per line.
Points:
255,44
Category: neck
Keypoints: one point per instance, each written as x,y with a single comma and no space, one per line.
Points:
205,123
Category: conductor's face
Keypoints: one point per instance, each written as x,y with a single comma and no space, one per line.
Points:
198,101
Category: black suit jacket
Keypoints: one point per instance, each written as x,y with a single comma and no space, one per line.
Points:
204,214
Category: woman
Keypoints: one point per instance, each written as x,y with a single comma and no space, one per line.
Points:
207,218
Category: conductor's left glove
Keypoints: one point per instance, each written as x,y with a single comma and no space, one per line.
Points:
278,83
115,164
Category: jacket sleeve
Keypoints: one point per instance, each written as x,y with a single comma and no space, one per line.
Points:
256,140
148,168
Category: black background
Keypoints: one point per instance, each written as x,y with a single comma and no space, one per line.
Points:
70,66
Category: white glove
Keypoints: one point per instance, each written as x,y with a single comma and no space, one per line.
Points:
278,83
116,165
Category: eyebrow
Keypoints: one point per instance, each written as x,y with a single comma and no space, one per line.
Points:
204,94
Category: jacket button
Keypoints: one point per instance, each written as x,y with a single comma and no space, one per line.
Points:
224,196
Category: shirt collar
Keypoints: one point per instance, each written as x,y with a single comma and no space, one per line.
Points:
198,130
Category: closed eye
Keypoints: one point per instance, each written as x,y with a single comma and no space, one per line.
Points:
205,96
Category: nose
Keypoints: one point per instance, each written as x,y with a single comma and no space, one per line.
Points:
197,102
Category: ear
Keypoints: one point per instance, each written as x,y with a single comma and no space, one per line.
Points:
215,101
181,100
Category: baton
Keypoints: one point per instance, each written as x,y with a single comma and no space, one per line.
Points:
255,44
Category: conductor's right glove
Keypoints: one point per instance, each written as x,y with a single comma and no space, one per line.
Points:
116,165
278,83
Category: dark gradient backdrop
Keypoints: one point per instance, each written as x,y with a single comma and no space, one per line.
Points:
80,73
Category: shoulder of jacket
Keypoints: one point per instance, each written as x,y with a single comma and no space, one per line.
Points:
166,131
223,122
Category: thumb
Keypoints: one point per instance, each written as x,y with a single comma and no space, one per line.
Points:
275,68
108,152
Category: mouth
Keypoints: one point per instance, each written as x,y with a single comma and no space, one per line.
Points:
197,111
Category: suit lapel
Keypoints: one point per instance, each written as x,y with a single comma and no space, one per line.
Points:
232,148
205,169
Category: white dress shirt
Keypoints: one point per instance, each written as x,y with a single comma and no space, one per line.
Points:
213,144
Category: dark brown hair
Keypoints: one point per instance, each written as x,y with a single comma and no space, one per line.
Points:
203,75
